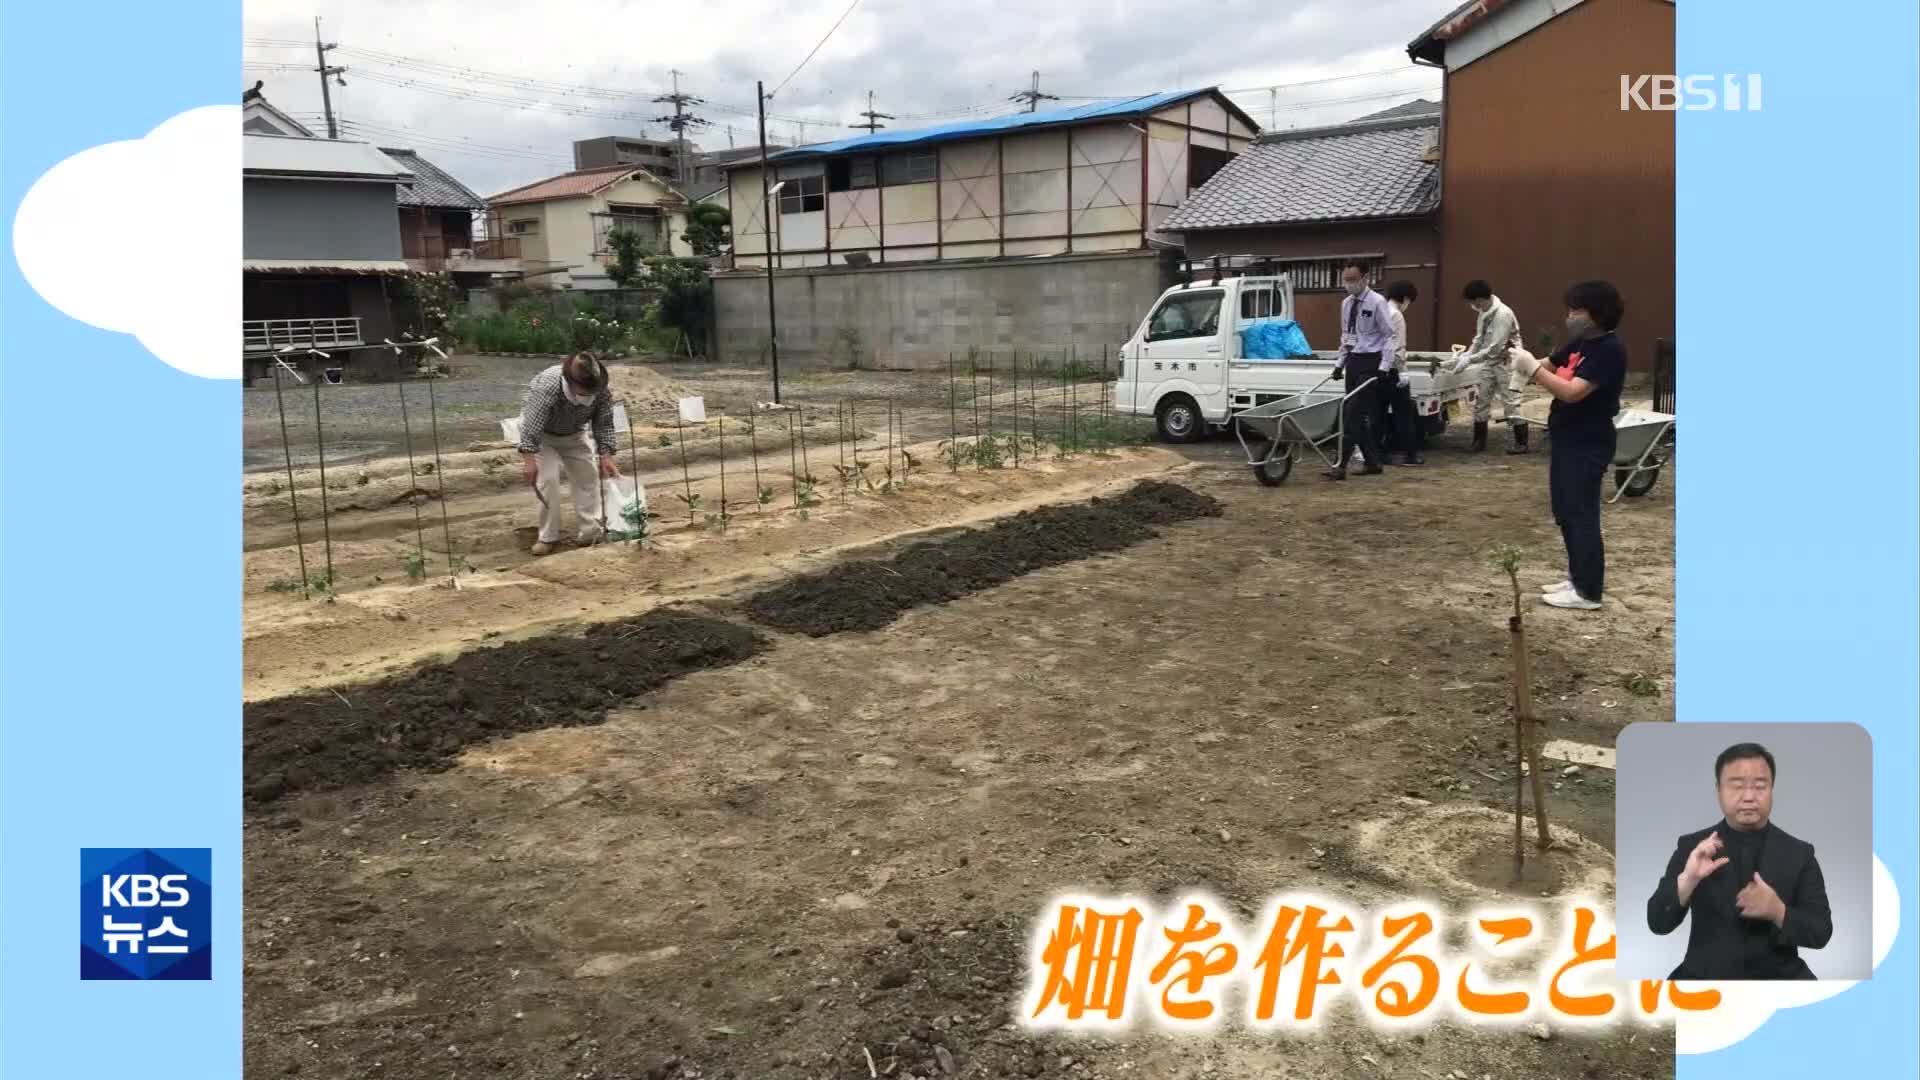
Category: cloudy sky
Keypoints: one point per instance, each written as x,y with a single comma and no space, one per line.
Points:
495,91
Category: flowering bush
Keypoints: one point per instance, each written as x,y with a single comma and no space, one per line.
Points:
428,303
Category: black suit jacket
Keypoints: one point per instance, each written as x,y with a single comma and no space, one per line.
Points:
1723,944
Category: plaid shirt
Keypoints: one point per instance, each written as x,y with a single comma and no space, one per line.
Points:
548,412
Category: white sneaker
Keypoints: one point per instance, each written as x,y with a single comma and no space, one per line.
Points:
1570,600
1558,586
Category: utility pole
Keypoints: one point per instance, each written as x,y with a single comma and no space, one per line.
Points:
766,222
326,96
1032,96
680,121
873,123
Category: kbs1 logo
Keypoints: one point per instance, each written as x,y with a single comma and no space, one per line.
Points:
1693,93
146,913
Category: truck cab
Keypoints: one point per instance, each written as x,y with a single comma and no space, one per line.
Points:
1183,365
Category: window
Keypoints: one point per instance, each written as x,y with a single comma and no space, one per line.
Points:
1259,303
1317,275
1203,162
803,195
1186,315
523,227
848,174
908,169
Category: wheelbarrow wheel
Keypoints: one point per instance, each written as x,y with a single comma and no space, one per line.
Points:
1274,472
1635,486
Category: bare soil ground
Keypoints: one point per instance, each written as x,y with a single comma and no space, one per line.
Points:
780,863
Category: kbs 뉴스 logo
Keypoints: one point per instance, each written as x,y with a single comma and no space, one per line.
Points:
146,913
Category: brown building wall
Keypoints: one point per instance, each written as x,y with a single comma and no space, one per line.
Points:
1409,246
1545,180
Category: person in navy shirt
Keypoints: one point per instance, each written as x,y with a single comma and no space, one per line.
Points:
1584,376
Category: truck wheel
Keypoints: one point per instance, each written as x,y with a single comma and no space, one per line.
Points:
1436,425
1179,420
1275,472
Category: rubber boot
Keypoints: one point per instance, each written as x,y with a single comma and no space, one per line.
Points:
1519,440
1479,438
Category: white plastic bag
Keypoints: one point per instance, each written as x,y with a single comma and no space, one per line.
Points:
625,509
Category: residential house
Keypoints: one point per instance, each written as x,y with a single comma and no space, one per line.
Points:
1546,180
1316,198
1034,231
562,223
258,116
319,237
437,226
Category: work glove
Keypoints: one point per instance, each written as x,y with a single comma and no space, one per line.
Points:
1389,378
1339,373
1459,363
1524,363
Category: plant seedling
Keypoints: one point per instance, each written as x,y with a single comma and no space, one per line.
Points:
665,442
692,501
416,565
765,496
364,479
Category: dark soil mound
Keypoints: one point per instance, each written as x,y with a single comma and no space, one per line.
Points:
421,720
868,594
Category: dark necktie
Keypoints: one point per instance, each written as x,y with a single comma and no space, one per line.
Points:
1353,313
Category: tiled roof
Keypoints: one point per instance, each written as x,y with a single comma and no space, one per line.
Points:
1416,107
431,185
1431,46
567,185
1376,169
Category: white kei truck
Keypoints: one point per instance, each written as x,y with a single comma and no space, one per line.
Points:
1183,366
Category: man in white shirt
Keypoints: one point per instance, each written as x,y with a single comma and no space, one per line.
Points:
1497,330
1397,397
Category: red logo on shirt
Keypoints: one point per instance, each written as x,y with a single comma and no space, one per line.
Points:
1573,362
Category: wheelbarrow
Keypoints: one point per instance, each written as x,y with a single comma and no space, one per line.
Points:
1271,435
1644,442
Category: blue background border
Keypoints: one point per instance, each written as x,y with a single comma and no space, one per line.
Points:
1796,540
1797,589
120,655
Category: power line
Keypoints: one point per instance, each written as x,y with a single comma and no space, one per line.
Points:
326,94
1032,97
816,48
678,123
873,123
1328,79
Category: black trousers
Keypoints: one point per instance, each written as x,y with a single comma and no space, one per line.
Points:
1394,416
1361,408
1573,482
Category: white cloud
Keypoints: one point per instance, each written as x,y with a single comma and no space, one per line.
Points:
1744,1007
143,237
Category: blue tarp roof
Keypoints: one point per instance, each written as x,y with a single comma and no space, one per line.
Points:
966,129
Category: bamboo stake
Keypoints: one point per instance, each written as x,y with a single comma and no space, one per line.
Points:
320,440
286,446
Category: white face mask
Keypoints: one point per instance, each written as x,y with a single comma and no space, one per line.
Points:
567,389
1356,288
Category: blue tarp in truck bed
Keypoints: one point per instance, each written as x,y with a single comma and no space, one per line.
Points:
1272,339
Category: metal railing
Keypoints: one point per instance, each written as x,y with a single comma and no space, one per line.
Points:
501,247
269,335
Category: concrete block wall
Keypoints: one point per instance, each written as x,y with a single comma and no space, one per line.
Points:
913,316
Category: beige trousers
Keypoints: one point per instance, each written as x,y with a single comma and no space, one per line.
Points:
574,455
1496,381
